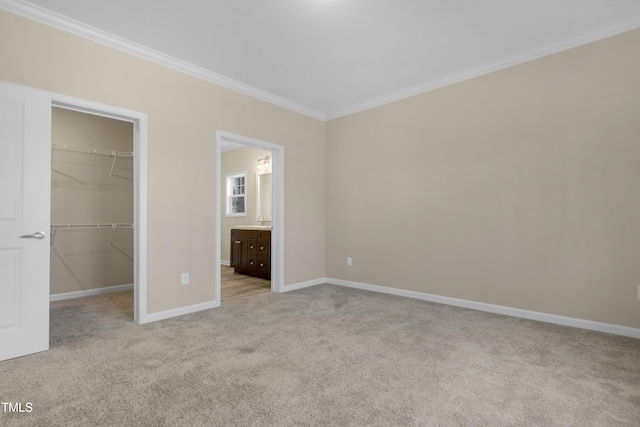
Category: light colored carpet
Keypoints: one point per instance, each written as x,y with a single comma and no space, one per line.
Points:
325,355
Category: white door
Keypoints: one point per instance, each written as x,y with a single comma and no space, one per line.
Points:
25,188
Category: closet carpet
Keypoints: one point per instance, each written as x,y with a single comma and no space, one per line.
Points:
321,356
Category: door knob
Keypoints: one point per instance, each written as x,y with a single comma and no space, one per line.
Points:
37,235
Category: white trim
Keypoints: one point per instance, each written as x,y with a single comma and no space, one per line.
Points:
576,40
227,196
180,311
140,215
81,29
90,292
277,230
307,284
498,309
139,121
225,262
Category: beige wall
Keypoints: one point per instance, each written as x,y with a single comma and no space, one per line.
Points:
82,192
183,115
518,188
238,160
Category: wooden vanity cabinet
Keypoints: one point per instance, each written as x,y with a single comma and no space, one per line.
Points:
251,252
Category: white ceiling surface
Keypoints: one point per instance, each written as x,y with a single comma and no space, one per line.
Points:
328,58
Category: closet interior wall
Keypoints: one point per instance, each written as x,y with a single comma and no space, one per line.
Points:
91,202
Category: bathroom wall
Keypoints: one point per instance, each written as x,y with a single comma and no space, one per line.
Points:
238,160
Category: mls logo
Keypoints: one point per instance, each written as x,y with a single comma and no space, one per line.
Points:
8,407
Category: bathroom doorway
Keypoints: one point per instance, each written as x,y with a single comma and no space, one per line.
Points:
257,169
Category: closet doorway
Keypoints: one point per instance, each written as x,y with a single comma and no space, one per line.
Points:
253,155
25,268
92,206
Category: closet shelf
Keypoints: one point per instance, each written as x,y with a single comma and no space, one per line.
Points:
114,226
94,151
98,225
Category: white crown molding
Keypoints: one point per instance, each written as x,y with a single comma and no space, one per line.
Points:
64,23
53,19
576,40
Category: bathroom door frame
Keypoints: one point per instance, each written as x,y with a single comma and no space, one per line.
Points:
139,121
277,231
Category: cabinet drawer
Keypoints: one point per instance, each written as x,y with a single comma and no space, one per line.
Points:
264,234
248,234
264,247
264,266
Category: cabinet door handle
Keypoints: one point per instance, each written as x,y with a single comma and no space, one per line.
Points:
238,242
251,263
261,264
251,246
262,248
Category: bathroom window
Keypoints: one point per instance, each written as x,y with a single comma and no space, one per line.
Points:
236,194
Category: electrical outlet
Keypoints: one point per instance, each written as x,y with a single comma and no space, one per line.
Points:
349,261
185,278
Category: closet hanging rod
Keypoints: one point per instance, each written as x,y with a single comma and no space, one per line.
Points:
94,151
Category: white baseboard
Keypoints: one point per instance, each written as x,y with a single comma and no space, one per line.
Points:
498,309
90,292
225,262
306,284
474,305
161,315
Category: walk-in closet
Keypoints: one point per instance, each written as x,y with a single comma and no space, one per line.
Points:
92,199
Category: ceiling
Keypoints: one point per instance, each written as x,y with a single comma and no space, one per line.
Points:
328,58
